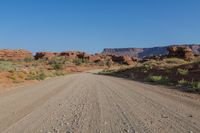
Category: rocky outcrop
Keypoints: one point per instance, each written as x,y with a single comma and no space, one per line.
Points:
94,58
123,59
68,55
45,55
181,52
71,55
146,52
15,54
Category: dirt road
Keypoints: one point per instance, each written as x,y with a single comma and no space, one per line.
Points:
89,103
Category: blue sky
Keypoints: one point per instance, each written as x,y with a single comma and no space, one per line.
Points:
91,25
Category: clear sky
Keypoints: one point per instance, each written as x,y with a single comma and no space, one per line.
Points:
91,25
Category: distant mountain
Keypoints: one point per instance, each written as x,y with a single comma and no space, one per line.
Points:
143,52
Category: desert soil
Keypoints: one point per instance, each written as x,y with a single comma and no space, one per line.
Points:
91,103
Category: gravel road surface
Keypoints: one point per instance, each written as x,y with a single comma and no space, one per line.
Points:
90,103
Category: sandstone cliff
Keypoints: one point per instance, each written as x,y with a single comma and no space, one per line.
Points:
20,54
144,52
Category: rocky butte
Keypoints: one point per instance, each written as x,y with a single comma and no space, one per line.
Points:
145,52
20,54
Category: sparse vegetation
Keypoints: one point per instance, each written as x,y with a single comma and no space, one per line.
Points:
194,86
191,86
182,71
175,61
182,82
7,66
184,75
106,72
78,61
158,79
197,60
13,77
39,76
57,63
28,59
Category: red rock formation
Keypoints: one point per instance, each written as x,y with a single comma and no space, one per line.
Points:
68,55
15,54
145,52
93,58
181,52
45,55
122,59
72,54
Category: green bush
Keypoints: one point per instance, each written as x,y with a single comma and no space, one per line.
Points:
57,63
78,61
59,73
182,82
101,63
106,72
194,86
13,77
175,61
191,86
150,64
40,76
158,79
108,63
7,66
182,71
28,59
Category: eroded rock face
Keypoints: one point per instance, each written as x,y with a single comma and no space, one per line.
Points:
68,55
94,58
15,54
72,54
45,55
123,59
181,52
146,52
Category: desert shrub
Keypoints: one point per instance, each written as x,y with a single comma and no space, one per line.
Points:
197,60
168,71
30,77
58,66
182,71
78,61
155,78
59,73
13,77
101,63
107,72
108,63
21,75
182,82
7,66
28,59
57,63
84,60
194,86
175,61
149,64
39,76
158,79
